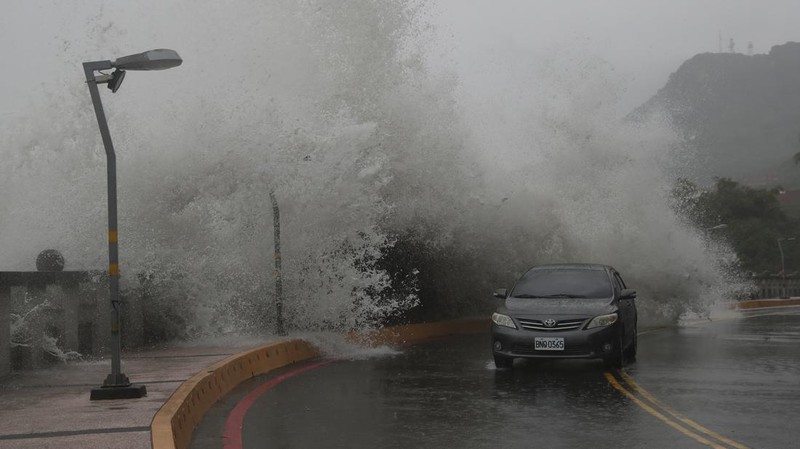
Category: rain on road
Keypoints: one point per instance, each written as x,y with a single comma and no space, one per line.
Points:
724,384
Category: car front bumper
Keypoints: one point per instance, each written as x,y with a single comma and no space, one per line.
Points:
599,342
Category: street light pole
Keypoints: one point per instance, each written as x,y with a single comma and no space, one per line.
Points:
783,266
116,378
117,385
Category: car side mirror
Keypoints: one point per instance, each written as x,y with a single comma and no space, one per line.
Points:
628,294
500,293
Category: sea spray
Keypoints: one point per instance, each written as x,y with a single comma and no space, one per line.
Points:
403,193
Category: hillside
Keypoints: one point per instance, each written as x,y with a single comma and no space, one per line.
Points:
739,114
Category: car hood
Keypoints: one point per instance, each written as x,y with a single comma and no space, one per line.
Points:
558,306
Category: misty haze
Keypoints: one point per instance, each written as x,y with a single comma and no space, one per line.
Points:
422,154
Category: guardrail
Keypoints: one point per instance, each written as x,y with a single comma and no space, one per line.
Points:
776,287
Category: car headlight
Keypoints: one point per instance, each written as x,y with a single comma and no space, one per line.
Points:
602,321
503,320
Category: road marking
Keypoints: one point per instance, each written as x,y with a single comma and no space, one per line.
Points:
688,424
629,380
232,432
658,415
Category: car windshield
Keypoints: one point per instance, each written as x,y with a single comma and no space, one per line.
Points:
563,283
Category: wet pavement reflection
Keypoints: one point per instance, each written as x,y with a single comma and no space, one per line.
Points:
739,378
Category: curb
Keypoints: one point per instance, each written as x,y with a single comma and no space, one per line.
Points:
175,421
765,303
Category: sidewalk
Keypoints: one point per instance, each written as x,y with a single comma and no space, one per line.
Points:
50,408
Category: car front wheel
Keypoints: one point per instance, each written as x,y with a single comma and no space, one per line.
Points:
503,362
615,359
630,352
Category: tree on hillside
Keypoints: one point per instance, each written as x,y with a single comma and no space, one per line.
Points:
753,217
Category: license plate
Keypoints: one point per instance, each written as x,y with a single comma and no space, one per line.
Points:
548,343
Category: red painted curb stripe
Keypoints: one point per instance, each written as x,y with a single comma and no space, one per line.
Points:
232,434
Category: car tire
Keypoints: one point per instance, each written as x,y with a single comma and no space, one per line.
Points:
630,352
615,360
502,362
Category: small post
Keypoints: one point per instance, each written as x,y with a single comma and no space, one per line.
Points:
276,224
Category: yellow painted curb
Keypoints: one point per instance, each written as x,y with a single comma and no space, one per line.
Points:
762,303
173,424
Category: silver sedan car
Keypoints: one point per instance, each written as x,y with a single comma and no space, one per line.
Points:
566,311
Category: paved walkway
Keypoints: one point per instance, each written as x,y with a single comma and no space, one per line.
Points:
50,408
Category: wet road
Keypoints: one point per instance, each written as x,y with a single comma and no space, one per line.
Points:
721,384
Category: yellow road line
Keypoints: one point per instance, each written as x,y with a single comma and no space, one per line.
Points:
629,380
660,416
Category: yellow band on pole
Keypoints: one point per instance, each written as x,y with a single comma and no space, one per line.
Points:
112,236
113,269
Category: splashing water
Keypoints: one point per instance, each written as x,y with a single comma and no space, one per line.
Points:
335,107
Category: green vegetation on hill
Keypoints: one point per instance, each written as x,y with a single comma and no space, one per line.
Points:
753,222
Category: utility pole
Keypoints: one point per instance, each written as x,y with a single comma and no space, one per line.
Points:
276,224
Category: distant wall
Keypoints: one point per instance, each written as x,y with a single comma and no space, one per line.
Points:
65,305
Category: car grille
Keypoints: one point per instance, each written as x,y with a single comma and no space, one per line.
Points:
569,350
562,325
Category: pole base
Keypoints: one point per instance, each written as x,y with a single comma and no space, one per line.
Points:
131,391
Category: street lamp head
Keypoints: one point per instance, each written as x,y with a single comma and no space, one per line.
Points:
116,80
158,59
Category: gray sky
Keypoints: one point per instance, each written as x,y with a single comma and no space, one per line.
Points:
643,41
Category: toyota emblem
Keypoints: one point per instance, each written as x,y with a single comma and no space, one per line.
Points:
549,322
